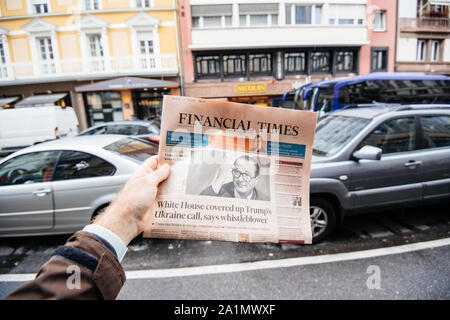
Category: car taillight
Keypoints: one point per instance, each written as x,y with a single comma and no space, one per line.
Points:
56,133
154,138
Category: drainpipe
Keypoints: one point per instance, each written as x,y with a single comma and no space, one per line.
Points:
177,29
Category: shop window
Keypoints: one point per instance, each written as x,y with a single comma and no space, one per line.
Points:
345,61
379,59
320,61
234,65
208,66
260,63
295,62
104,107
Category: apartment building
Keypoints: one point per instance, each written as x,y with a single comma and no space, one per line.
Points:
254,51
109,59
423,36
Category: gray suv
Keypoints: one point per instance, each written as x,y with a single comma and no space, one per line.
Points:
366,159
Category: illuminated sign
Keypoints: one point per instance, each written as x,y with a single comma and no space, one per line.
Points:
250,88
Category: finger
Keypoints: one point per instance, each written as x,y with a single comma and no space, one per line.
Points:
160,174
147,166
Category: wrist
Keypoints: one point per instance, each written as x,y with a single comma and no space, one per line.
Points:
123,225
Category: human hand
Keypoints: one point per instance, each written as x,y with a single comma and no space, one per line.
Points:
130,211
221,176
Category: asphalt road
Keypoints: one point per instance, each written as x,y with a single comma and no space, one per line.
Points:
422,274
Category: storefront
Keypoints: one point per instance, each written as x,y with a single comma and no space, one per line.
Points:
126,98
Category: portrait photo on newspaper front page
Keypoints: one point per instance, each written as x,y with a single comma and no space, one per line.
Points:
238,172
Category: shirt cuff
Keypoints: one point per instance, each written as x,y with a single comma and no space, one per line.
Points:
117,243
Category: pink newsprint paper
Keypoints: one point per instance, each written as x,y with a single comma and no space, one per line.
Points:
238,172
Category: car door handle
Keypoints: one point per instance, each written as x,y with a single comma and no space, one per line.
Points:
41,192
413,163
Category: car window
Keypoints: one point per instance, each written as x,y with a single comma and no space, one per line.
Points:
334,132
78,165
436,131
99,130
125,129
397,135
154,128
133,149
28,168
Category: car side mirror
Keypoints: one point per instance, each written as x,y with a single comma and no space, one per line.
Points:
368,153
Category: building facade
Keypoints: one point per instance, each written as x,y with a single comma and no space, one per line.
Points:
254,51
55,46
423,43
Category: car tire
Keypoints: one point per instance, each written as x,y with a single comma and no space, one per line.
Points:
323,218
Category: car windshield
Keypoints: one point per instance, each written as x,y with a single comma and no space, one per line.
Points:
334,132
133,149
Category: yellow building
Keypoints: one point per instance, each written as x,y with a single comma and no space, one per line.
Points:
57,46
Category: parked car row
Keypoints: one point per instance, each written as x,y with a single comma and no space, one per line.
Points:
363,159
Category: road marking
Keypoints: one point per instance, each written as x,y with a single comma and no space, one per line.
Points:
259,265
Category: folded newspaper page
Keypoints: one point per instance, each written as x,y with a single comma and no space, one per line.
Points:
238,172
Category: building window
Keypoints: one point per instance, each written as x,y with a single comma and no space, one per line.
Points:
208,66
379,23
260,63
3,65
46,56
234,65
146,50
143,3
211,16
255,15
379,59
421,50
320,61
435,50
347,14
40,6
295,62
345,61
96,53
91,4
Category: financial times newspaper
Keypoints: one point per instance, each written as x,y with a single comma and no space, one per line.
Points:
238,172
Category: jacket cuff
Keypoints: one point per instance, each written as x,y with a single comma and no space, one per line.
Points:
108,274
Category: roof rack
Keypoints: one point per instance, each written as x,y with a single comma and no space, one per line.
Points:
424,107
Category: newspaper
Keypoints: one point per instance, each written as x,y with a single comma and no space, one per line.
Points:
238,172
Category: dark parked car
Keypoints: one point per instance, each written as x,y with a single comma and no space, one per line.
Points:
371,158
146,130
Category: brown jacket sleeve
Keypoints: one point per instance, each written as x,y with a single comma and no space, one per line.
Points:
82,269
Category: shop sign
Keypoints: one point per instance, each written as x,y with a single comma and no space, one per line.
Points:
250,88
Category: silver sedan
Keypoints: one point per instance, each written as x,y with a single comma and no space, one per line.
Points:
58,186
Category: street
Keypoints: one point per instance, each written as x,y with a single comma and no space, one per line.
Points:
413,263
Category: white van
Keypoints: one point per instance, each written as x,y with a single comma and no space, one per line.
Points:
22,127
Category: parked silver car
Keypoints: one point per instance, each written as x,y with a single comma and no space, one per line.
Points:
371,158
57,187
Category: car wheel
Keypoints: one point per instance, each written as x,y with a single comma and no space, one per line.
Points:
323,218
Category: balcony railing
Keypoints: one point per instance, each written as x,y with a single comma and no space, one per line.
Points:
425,23
72,67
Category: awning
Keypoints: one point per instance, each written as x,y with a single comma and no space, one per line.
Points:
40,100
127,83
5,101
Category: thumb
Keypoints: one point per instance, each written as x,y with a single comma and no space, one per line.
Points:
160,174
